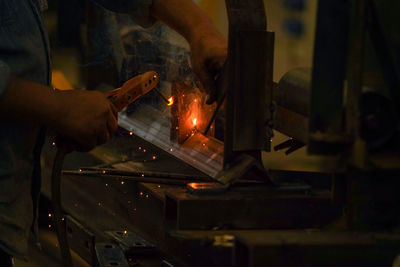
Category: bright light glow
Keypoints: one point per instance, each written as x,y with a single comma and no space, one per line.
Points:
194,121
171,101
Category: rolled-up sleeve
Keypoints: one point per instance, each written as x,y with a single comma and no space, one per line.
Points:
139,9
4,76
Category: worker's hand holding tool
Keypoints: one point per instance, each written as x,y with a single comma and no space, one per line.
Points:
88,119
209,52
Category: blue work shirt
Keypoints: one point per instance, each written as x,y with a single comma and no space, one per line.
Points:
24,52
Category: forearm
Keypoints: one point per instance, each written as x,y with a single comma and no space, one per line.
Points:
31,102
185,17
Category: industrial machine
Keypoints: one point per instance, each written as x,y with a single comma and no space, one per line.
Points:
184,184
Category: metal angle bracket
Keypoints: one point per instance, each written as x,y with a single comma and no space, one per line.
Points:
132,243
243,165
110,255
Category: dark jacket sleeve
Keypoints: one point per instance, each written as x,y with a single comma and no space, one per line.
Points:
4,76
139,9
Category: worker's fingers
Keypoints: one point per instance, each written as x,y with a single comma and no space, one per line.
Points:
209,75
205,79
103,137
112,123
86,146
114,111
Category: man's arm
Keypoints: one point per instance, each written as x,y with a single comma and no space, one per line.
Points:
185,17
208,46
84,117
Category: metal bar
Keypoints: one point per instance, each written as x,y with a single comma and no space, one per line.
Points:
162,96
145,173
355,66
329,67
380,43
144,179
243,16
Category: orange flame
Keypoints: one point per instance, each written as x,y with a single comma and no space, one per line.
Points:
171,101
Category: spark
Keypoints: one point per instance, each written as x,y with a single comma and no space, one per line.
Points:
106,185
131,133
154,157
144,150
80,170
103,172
142,174
49,215
122,182
147,196
125,232
49,225
171,101
53,143
195,121
140,148
141,193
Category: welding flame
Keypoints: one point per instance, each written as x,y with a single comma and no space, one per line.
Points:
194,121
171,101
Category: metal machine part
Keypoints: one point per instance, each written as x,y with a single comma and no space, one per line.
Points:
110,255
293,91
131,243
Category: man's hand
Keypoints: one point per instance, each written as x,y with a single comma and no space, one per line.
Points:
209,47
83,119
209,52
87,119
